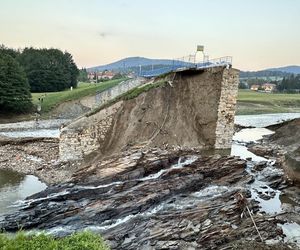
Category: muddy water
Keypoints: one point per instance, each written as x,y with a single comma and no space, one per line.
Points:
15,187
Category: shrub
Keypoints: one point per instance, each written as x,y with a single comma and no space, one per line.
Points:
76,241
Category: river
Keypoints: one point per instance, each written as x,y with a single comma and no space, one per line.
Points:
14,187
277,202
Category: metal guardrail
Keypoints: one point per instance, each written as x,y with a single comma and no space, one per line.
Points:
187,62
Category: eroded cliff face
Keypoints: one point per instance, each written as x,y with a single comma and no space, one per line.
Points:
193,108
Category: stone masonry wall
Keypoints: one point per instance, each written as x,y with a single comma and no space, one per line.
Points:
226,109
85,135
75,108
113,92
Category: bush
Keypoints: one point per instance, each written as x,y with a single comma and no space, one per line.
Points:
77,241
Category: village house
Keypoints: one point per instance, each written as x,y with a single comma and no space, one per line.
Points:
105,75
269,87
255,87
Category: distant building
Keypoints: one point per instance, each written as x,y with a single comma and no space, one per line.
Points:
268,87
91,76
105,75
255,87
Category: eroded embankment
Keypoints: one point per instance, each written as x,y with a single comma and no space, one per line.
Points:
193,108
153,199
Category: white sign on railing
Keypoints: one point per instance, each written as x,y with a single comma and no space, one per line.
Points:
200,48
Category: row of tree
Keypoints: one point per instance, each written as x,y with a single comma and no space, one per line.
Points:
33,70
290,84
263,73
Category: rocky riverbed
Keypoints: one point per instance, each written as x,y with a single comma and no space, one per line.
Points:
35,156
149,198
158,199
284,144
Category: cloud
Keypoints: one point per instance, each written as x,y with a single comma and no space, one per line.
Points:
103,34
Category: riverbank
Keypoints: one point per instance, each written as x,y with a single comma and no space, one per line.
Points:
35,156
285,143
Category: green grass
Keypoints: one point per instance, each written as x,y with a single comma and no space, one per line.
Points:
138,90
77,241
53,99
251,102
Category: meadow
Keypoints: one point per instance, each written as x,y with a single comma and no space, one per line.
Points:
251,102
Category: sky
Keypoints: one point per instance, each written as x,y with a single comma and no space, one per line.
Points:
258,34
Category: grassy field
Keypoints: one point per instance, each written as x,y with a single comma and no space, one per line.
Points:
251,102
53,99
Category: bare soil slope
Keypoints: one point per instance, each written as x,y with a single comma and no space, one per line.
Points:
182,112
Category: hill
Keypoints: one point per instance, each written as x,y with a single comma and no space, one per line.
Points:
293,69
131,62
272,72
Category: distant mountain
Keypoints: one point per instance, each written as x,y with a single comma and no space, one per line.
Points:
272,72
131,62
263,74
293,69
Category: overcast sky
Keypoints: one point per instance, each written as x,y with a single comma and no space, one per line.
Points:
257,33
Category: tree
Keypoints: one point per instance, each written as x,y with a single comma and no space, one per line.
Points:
72,68
49,69
290,84
83,75
13,53
243,85
15,96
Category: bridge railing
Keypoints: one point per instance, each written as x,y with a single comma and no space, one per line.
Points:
185,62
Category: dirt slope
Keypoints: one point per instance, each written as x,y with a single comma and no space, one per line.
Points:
183,112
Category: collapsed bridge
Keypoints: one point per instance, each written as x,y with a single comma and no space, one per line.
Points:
191,107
